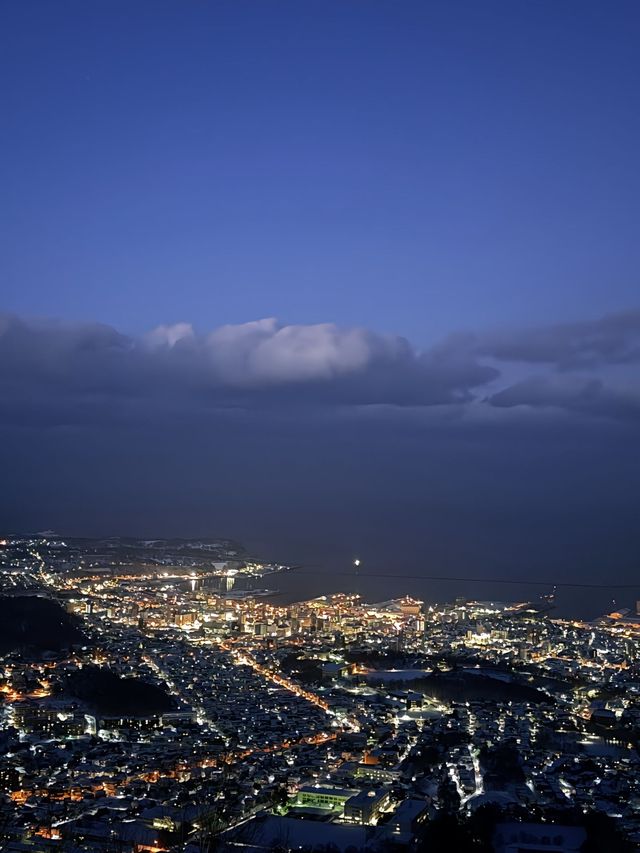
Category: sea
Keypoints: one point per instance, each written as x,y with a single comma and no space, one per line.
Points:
570,603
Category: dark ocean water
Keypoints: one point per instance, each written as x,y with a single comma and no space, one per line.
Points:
310,581
405,561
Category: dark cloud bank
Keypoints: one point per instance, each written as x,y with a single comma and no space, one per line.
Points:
509,452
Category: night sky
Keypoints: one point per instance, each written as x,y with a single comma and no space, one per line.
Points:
333,278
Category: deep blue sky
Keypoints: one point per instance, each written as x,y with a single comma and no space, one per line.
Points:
413,167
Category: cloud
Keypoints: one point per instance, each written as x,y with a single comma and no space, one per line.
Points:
169,336
573,394
266,352
55,373
610,340
49,369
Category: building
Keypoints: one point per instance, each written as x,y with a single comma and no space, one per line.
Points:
366,770
408,816
46,721
328,798
365,807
